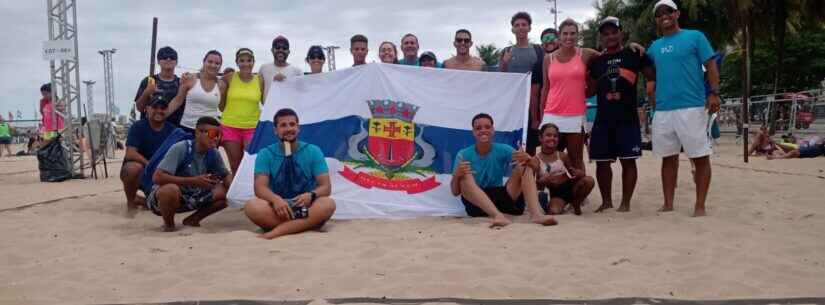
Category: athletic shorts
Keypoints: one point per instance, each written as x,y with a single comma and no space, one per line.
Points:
190,199
237,135
499,197
563,191
609,142
567,124
686,128
5,140
811,151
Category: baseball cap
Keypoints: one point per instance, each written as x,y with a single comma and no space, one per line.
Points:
167,52
280,40
429,54
668,3
244,51
609,20
158,101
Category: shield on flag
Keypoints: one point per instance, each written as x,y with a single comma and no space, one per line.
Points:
391,140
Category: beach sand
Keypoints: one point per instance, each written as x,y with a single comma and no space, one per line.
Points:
763,238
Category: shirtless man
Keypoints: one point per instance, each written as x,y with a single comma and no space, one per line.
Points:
463,60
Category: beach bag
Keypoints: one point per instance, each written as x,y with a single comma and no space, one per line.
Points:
52,162
290,181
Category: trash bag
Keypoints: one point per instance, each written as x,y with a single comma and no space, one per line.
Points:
52,162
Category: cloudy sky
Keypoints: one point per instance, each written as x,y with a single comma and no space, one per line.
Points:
194,27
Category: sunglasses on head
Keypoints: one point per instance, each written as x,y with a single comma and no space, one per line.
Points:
463,40
213,134
666,11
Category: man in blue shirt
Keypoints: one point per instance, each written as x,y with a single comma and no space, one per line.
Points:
681,105
478,177
292,184
144,138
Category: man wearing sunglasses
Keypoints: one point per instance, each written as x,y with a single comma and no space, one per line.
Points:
191,177
164,84
549,40
681,103
144,138
279,69
463,60
292,184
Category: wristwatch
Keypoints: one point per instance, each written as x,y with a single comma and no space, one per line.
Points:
313,196
714,92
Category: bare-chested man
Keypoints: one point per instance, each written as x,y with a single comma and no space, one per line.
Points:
463,60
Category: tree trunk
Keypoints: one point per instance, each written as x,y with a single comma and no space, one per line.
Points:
779,27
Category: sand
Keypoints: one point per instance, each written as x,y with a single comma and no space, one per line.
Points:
763,239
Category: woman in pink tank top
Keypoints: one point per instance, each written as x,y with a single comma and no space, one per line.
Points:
563,91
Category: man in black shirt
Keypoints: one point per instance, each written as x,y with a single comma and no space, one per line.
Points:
615,134
164,84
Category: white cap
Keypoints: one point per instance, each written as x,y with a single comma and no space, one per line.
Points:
609,20
669,3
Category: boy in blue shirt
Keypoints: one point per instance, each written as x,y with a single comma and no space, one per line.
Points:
478,177
292,184
680,102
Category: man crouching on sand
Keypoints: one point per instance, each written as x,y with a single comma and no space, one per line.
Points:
478,177
292,184
191,176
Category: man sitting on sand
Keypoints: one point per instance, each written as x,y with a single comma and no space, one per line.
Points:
292,184
478,177
192,176
144,138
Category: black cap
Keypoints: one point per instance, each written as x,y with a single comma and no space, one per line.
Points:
609,20
167,52
317,51
158,101
429,54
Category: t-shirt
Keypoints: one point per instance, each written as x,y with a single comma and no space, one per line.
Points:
145,139
309,158
404,61
177,154
527,60
679,77
4,130
621,68
167,89
489,169
268,72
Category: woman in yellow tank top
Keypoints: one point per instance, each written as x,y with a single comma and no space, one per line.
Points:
241,107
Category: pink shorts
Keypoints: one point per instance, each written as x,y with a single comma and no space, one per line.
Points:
238,135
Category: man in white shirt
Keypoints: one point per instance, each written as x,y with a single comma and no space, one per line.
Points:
278,70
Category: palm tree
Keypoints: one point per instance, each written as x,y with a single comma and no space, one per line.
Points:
489,54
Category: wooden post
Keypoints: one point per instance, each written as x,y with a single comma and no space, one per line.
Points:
746,94
154,46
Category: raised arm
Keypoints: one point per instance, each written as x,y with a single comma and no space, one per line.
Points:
186,84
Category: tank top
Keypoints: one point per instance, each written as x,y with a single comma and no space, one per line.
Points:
4,130
200,103
243,103
567,86
554,168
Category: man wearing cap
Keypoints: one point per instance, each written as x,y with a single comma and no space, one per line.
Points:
315,59
463,60
409,46
549,40
524,57
615,133
164,84
428,59
143,139
359,49
279,69
681,104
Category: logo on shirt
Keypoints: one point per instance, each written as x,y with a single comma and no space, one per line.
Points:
392,152
667,49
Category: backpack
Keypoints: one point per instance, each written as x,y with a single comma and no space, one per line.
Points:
290,181
177,135
539,52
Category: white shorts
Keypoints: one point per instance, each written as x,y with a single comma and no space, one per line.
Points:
566,124
687,128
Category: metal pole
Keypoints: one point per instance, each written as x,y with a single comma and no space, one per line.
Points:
154,46
746,97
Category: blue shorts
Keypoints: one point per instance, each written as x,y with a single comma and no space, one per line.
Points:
611,141
811,151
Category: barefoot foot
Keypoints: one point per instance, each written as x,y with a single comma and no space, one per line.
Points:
623,208
577,208
545,220
604,206
666,208
499,221
166,228
189,221
699,213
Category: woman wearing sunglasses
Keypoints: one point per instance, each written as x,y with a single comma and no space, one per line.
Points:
241,107
202,92
315,59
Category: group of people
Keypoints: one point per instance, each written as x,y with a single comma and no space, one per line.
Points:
546,176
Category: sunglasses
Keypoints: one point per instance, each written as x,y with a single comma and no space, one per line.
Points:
463,40
281,47
316,57
666,11
213,134
167,58
548,38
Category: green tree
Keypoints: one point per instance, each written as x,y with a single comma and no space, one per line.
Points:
489,54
